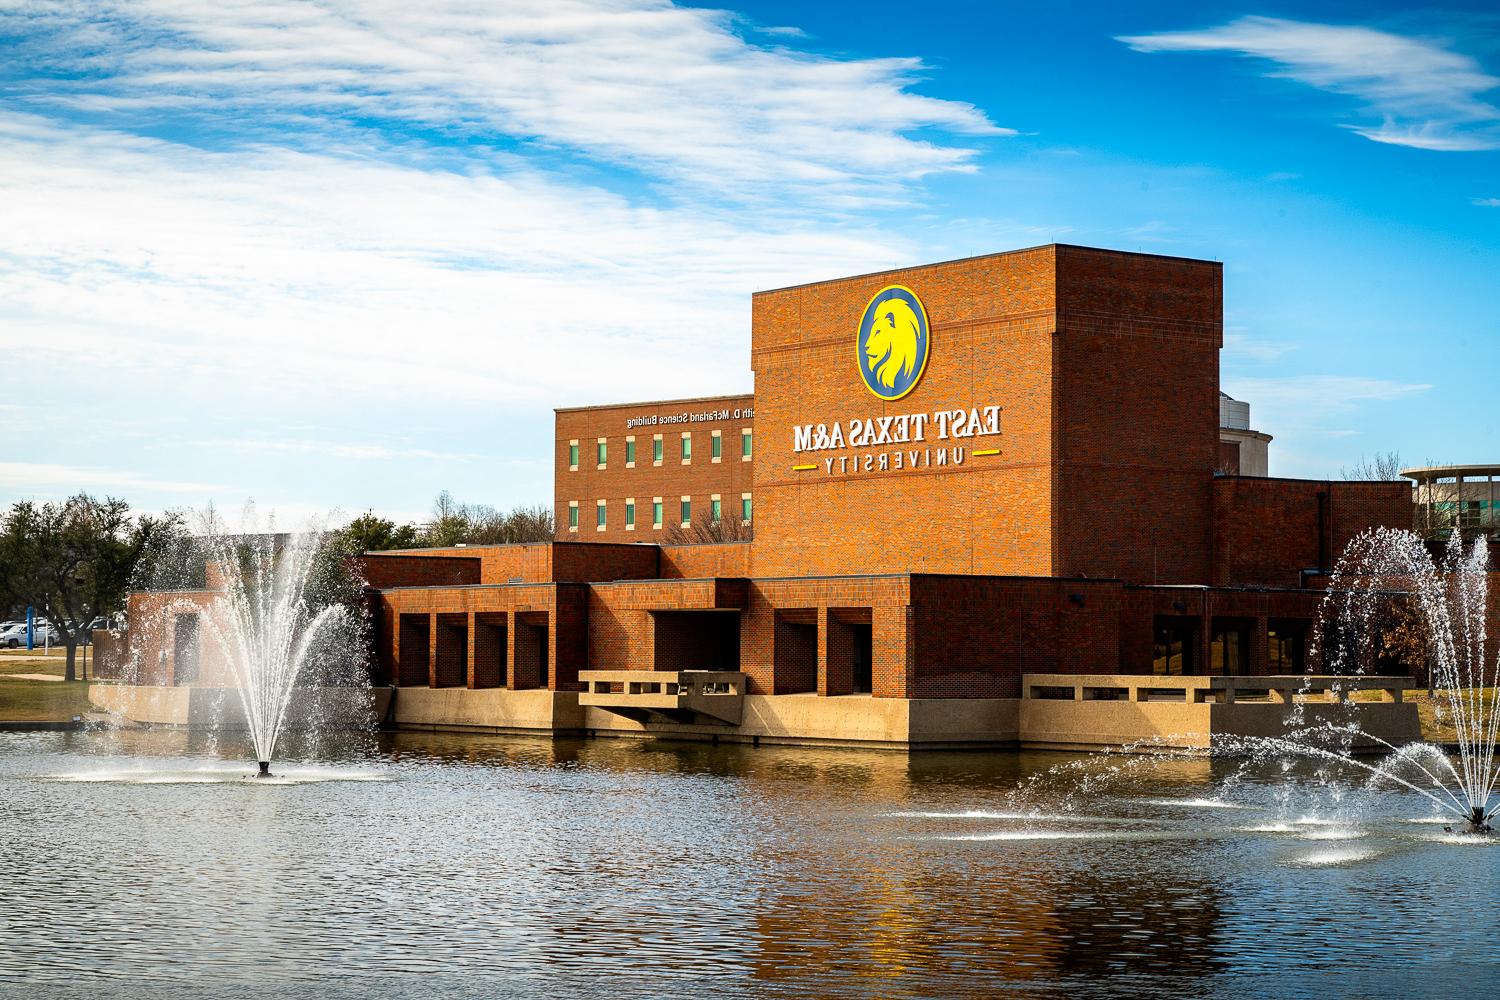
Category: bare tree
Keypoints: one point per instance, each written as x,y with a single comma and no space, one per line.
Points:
705,530
480,524
1378,467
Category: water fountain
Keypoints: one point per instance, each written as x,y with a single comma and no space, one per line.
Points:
270,617
1446,601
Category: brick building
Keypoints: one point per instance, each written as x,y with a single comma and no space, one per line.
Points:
955,474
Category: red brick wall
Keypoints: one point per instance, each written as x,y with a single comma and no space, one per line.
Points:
1267,530
1137,404
1106,365
991,331
672,480
975,636
691,562
534,562
383,570
886,596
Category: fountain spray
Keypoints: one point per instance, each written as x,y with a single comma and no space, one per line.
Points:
265,623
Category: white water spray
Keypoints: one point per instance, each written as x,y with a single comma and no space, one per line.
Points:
264,622
1451,598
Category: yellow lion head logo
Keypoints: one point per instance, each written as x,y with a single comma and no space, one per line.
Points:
891,349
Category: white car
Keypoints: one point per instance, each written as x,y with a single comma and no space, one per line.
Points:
15,636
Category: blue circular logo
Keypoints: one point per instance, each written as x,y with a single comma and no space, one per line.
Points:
891,346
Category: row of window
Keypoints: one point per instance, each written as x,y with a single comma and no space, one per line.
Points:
659,449
684,510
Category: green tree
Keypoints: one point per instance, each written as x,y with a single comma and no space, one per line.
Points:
75,560
369,533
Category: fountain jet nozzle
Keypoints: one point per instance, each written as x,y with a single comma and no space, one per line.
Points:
265,769
1477,822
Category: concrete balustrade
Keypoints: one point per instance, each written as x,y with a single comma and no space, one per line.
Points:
674,695
1090,711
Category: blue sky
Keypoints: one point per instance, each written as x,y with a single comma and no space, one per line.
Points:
329,256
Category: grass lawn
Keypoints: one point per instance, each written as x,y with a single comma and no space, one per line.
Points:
1437,722
26,700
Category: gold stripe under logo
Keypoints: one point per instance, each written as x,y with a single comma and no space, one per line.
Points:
803,468
987,451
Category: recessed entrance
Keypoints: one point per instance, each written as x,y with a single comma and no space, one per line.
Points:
795,651
531,650
696,640
452,651
489,650
412,651
185,648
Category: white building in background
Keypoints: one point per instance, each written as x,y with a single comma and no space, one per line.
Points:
1242,451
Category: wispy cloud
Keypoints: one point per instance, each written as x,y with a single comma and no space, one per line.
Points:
266,270
1238,344
252,208
677,92
46,479
1309,401
1426,95
1487,202
351,450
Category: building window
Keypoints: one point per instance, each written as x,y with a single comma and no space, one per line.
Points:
1175,642
687,447
657,448
715,508
716,446
572,515
630,453
745,450
603,453
656,507
745,507
630,514
1229,647
687,511
572,456
600,520
1285,641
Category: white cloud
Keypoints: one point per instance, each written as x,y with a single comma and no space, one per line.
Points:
675,91
37,478
1314,400
247,214
1239,345
1487,202
1425,95
352,450
271,271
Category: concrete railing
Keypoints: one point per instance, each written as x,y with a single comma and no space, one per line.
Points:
673,694
1215,689
1094,710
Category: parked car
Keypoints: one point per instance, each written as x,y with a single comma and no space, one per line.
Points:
15,636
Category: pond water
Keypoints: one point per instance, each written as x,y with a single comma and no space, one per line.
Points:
147,864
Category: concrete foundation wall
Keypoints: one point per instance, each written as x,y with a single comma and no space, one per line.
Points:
154,705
